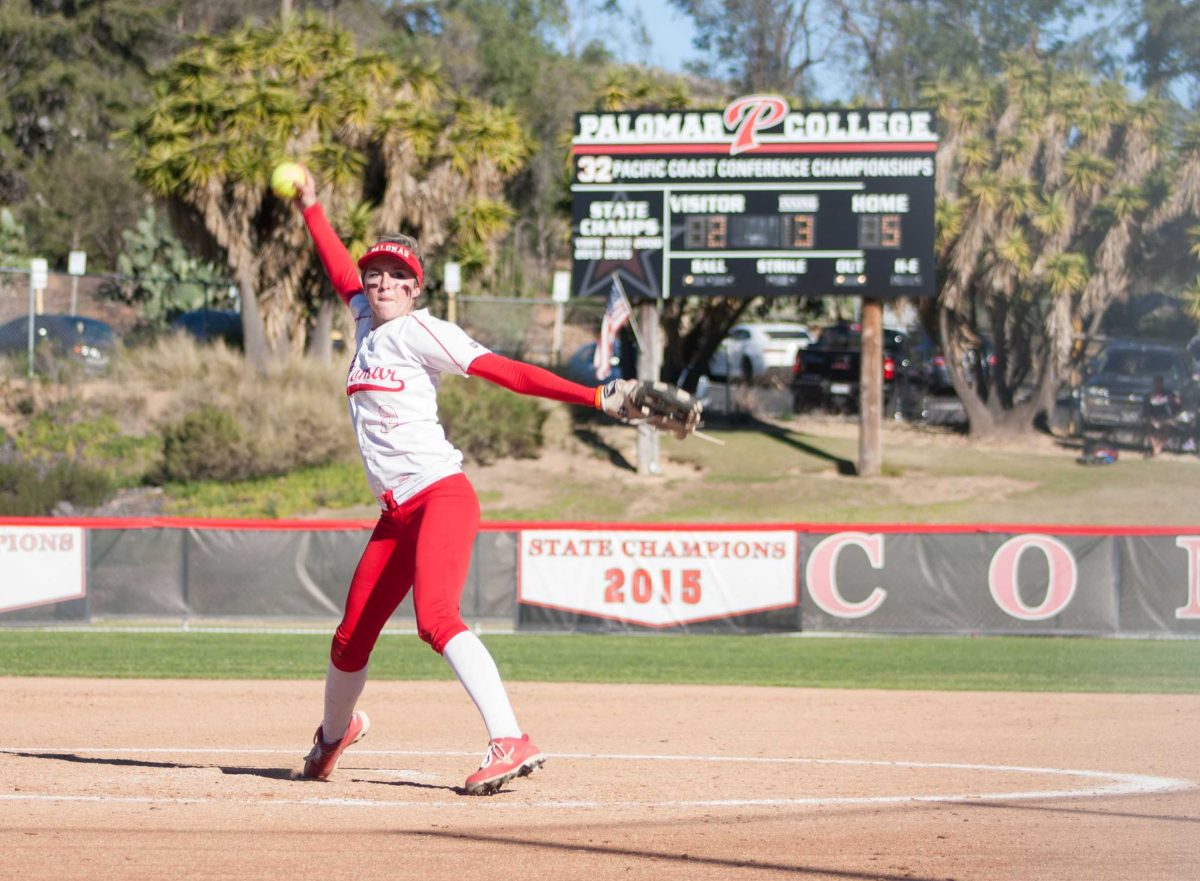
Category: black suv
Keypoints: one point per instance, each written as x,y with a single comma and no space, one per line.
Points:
826,374
207,325
1116,382
85,342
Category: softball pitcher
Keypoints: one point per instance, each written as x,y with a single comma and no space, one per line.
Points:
430,513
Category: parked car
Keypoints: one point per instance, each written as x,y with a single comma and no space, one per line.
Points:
85,342
754,352
579,368
931,362
206,325
827,373
1116,381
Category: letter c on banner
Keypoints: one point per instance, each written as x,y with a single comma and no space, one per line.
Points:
820,575
1002,577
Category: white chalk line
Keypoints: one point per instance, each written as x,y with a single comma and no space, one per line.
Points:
1118,783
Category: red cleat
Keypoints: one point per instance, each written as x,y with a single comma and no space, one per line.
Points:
506,758
322,760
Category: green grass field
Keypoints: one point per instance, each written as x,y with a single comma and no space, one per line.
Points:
935,663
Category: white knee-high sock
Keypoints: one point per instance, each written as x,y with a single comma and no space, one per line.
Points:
472,663
342,690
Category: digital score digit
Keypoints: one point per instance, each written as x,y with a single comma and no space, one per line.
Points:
890,230
718,231
706,232
879,231
799,231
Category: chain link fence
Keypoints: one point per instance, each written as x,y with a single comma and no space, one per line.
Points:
76,326
540,331
71,325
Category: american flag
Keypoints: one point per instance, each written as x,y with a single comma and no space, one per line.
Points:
616,316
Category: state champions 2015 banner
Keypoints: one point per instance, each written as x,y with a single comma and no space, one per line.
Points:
656,578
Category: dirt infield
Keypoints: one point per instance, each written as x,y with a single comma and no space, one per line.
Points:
168,779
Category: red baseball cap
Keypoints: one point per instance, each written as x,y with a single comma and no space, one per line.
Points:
394,249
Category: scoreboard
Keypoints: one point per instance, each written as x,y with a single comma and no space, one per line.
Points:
754,200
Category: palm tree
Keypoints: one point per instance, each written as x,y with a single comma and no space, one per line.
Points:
230,108
1053,184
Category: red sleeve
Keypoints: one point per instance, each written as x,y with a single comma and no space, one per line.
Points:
527,379
334,257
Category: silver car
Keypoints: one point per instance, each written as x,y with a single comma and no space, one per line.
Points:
758,351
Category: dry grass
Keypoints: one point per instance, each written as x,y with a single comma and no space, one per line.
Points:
292,417
175,376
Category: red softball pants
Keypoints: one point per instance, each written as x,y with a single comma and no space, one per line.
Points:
423,545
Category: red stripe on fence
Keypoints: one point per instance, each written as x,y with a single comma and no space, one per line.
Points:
520,525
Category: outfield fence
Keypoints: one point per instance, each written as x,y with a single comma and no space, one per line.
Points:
973,579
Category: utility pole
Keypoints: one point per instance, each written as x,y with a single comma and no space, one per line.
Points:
870,389
648,368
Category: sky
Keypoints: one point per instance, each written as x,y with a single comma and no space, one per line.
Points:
671,35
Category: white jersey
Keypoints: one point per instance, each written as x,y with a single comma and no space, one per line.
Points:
392,386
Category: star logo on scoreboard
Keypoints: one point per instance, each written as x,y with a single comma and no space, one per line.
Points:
637,275
616,234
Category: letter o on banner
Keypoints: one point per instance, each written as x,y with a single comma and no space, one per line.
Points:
820,574
1002,577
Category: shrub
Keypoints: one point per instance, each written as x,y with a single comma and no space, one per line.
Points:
69,431
215,443
206,444
30,490
300,423
488,423
295,494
